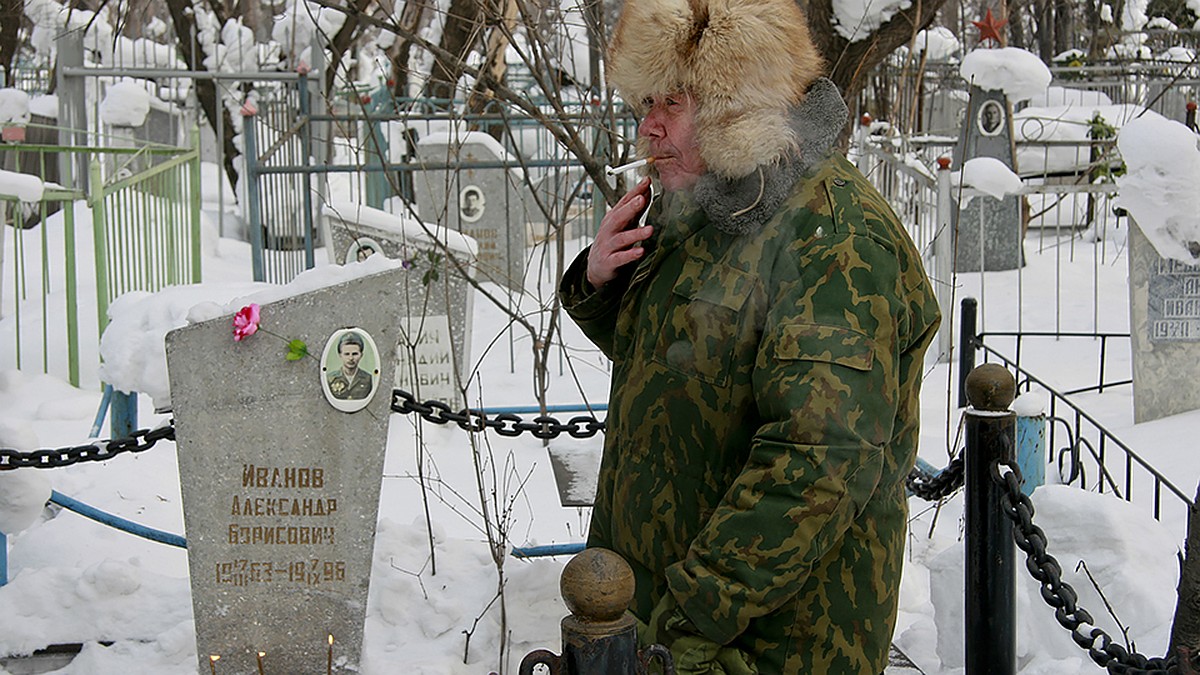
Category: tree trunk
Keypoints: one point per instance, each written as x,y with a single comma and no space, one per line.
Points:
1045,29
1185,628
206,90
494,66
464,25
412,19
850,63
344,39
12,13
1064,26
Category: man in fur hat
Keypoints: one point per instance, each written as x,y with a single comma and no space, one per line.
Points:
767,328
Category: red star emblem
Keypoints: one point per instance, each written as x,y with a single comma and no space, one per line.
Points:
989,28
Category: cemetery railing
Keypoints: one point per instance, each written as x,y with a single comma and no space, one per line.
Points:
925,98
1089,443
145,235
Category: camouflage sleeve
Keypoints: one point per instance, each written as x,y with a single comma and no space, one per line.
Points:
595,311
826,384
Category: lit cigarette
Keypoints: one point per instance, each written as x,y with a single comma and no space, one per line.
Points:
614,170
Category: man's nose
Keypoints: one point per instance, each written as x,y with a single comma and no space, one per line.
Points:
651,125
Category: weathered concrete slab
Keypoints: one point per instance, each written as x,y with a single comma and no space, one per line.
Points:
281,488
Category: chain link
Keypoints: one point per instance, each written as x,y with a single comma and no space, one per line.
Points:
1060,594
938,486
140,441
543,427
1030,538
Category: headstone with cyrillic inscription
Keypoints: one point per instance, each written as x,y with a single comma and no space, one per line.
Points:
280,463
1164,326
470,183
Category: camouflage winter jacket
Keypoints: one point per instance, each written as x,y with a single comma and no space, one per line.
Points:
762,419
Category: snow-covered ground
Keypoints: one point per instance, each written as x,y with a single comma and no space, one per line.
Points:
73,580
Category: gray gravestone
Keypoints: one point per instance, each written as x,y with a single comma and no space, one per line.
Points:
1164,326
483,203
988,231
435,335
280,487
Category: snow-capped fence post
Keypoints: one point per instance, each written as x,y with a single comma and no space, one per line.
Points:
599,636
990,589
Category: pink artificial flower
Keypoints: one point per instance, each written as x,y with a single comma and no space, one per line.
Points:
245,322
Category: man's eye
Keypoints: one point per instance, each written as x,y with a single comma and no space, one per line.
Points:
648,102
671,101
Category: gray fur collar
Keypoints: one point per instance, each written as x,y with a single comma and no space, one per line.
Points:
743,205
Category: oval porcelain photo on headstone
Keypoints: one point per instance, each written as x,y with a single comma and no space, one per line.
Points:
349,369
471,203
362,248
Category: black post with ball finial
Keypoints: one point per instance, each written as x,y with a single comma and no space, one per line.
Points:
990,600
599,637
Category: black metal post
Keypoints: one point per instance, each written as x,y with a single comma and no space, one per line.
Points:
990,593
599,637
966,346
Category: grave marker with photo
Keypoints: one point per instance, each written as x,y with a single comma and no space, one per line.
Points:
483,203
280,486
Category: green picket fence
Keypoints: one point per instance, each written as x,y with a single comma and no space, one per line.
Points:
144,206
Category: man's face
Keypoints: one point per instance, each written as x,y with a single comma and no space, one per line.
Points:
670,129
350,353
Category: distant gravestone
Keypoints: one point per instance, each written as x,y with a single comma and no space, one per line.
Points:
435,324
1164,323
483,203
280,465
988,231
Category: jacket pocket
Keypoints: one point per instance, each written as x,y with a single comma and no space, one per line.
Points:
702,323
826,344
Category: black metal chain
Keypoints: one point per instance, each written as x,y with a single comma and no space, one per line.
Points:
505,424
1061,595
938,486
140,441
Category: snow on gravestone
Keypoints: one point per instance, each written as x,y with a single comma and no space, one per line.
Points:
483,203
280,464
1158,189
989,231
437,308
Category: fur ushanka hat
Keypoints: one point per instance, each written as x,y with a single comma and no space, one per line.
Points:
745,61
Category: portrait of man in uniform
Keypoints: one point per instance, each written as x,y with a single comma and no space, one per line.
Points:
351,368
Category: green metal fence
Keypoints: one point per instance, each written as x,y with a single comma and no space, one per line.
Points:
144,205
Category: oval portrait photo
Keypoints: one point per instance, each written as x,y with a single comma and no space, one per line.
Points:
350,369
361,249
471,203
991,118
